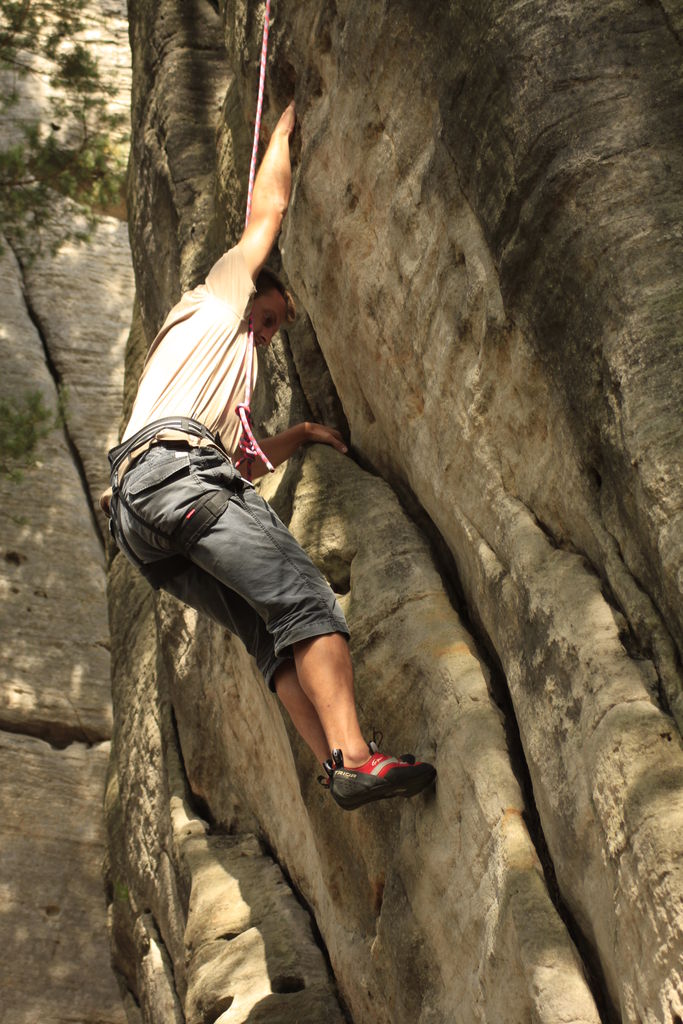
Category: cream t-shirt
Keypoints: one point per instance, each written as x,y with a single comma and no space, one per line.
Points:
197,365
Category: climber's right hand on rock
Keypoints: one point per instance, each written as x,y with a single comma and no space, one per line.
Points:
287,119
318,433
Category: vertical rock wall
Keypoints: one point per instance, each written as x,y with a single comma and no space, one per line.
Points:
64,321
483,238
55,703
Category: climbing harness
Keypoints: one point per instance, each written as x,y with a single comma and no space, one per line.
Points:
200,517
248,444
184,424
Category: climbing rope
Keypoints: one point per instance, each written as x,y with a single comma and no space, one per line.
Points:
248,444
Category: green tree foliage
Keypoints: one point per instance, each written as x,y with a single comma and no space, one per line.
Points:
75,148
71,147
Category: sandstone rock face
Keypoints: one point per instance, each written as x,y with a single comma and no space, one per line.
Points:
82,299
63,325
54,689
54,680
53,921
483,240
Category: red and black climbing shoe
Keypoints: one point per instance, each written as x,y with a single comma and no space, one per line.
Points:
379,778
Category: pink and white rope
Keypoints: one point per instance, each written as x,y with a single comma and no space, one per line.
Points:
249,446
259,110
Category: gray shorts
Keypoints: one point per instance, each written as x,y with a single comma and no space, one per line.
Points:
246,570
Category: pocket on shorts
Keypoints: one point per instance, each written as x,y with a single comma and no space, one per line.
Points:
155,471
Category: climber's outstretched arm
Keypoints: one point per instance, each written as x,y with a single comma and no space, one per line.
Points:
279,448
271,196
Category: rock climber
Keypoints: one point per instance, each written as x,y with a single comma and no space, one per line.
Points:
189,520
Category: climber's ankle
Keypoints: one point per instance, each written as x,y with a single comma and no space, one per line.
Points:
356,756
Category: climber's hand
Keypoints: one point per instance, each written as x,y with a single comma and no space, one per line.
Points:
287,120
279,448
318,433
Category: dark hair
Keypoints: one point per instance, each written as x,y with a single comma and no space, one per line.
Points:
268,281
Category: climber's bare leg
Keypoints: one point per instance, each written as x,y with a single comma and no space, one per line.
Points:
325,674
301,711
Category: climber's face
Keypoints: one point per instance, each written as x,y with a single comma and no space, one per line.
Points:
267,313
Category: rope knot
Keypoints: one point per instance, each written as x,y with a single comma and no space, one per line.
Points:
248,444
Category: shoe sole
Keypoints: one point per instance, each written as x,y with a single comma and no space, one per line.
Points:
385,790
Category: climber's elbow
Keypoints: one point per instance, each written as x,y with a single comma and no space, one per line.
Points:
259,237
